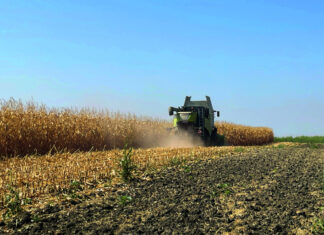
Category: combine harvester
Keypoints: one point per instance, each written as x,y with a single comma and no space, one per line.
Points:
196,119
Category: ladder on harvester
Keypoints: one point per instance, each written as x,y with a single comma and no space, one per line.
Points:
201,120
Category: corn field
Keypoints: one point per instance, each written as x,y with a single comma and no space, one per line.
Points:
43,150
244,135
35,129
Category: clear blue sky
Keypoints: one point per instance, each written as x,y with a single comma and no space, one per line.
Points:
261,62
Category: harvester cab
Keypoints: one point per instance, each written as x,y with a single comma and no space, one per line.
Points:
197,118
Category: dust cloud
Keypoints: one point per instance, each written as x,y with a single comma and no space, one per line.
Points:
177,141
173,140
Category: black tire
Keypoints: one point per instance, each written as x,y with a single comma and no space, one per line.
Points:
220,140
208,140
213,138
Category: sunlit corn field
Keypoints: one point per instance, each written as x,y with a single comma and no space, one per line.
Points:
245,135
29,128
44,150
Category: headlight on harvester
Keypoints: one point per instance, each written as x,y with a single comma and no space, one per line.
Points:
184,116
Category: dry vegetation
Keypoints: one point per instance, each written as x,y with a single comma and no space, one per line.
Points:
33,176
245,135
224,193
68,139
30,128
61,134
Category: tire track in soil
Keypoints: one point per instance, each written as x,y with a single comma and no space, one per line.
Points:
265,191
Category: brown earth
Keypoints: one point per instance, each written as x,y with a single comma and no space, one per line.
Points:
263,191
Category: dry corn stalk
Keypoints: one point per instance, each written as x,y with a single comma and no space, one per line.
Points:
244,135
30,128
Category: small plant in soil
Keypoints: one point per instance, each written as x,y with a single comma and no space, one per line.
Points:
13,203
71,192
26,201
239,149
280,146
75,186
318,226
313,146
35,218
186,168
175,161
224,188
126,164
221,189
123,200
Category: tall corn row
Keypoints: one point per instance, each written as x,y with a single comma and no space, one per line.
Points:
29,128
244,135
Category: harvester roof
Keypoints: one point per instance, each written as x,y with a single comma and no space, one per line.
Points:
201,103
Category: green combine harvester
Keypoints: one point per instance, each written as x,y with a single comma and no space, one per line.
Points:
196,118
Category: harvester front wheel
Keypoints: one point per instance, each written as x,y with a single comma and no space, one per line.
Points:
213,137
216,139
220,140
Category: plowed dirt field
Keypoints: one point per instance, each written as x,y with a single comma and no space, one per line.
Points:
263,191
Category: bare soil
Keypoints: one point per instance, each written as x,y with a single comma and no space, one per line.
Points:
263,191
